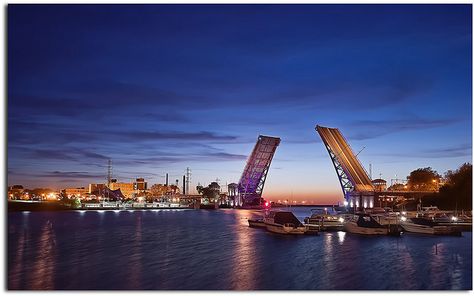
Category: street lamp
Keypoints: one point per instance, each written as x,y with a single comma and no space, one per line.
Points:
435,184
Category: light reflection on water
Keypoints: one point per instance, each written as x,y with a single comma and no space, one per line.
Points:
43,270
244,275
136,254
341,235
16,271
190,249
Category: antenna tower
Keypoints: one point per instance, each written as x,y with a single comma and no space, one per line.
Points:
188,180
109,172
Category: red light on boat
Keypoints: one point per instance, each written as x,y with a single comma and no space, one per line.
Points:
266,203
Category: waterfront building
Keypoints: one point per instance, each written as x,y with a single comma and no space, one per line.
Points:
379,184
159,190
127,189
225,199
233,189
132,189
140,184
95,187
107,194
232,193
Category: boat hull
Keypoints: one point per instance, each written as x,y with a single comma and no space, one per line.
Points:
280,229
433,230
352,227
256,223
326,225
461,226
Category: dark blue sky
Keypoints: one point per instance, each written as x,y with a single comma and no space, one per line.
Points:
158,88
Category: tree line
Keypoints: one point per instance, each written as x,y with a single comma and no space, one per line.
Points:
455,187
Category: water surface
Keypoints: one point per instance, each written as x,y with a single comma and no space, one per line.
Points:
215,249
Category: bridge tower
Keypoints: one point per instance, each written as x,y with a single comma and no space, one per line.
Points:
356,185
253,178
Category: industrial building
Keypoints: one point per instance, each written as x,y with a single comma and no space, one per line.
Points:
129,190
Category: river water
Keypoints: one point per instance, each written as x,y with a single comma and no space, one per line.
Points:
215,249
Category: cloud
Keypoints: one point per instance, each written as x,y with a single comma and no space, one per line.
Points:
106,106
64,153
169,158
226,156
442,152
369,129
91,155
87,132
173,135
454,151
97,96
50,154
68,175
351,93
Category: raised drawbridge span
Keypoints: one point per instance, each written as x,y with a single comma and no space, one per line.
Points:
356,185
256,169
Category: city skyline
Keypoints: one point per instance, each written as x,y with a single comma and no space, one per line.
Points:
162,88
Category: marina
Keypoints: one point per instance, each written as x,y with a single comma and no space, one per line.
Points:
371,222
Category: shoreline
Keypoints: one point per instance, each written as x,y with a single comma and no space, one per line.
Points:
54,206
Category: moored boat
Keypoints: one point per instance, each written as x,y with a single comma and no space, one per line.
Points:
324,221
428,226
286,223
365,224
462,222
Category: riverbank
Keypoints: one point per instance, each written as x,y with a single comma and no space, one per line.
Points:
48,206
36,206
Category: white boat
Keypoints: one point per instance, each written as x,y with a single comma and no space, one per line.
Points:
365,224
433,213
463,222
257,223
390,219
325,221
287,228
428,226
384,216
286,223
441,217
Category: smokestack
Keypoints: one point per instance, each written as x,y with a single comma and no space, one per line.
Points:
184,184
166,179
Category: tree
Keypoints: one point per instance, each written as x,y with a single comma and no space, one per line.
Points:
210,192
423,179
456,193
199,189
458,176
76,203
